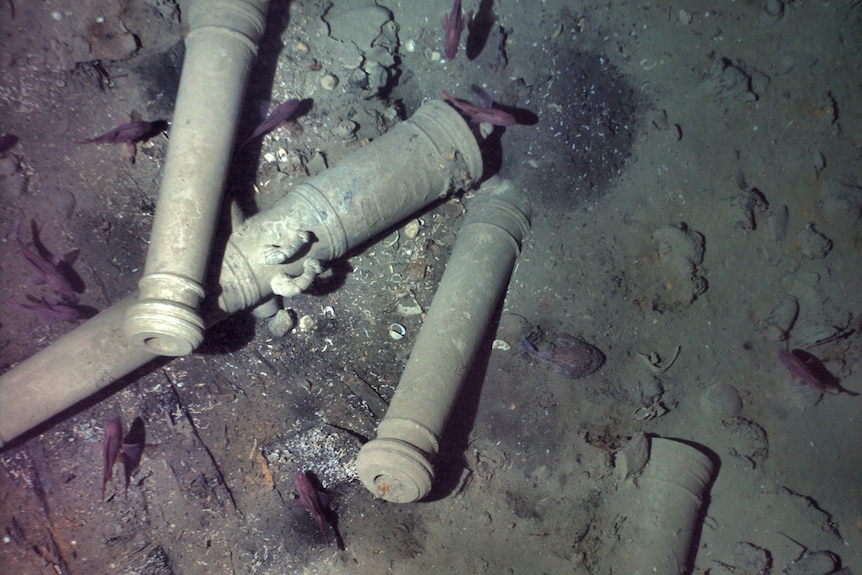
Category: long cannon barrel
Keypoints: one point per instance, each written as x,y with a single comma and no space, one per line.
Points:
398,465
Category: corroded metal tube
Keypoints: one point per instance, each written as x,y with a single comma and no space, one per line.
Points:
74,367
220,49
661,513
414,164
397,465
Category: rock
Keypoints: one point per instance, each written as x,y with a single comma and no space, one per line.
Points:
815,246
632,457
679,245
684,17
750,441
281,323
771,11
842,201
680,252
721,400
733,79
813,563
747,202
328,81
307,324
363,40
777,219
782,317
749,558
411,229
408,306
110,40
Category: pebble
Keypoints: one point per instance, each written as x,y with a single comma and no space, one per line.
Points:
684,17
772,10
281,323
329,81
721,400
346,130
411,229
407,305
307,323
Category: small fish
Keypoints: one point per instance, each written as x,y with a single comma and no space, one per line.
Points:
487,115
810,371
133,448
281,113
573,358
48,270
453,24
127,133
112,443
49,310
310,498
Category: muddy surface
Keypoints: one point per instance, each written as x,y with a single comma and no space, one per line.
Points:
694,173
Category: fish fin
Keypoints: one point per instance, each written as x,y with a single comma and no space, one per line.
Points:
298,508
484,98
129,151
529,346
467,20
444,20
68,258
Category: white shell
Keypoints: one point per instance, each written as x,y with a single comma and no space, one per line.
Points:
397,331
328,82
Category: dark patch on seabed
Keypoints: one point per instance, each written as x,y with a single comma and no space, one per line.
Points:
591,116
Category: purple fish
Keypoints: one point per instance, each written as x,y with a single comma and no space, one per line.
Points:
281,113
49,310
111,445
126,134
133,448
453,24
487,115
310,498
809,370
47,270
